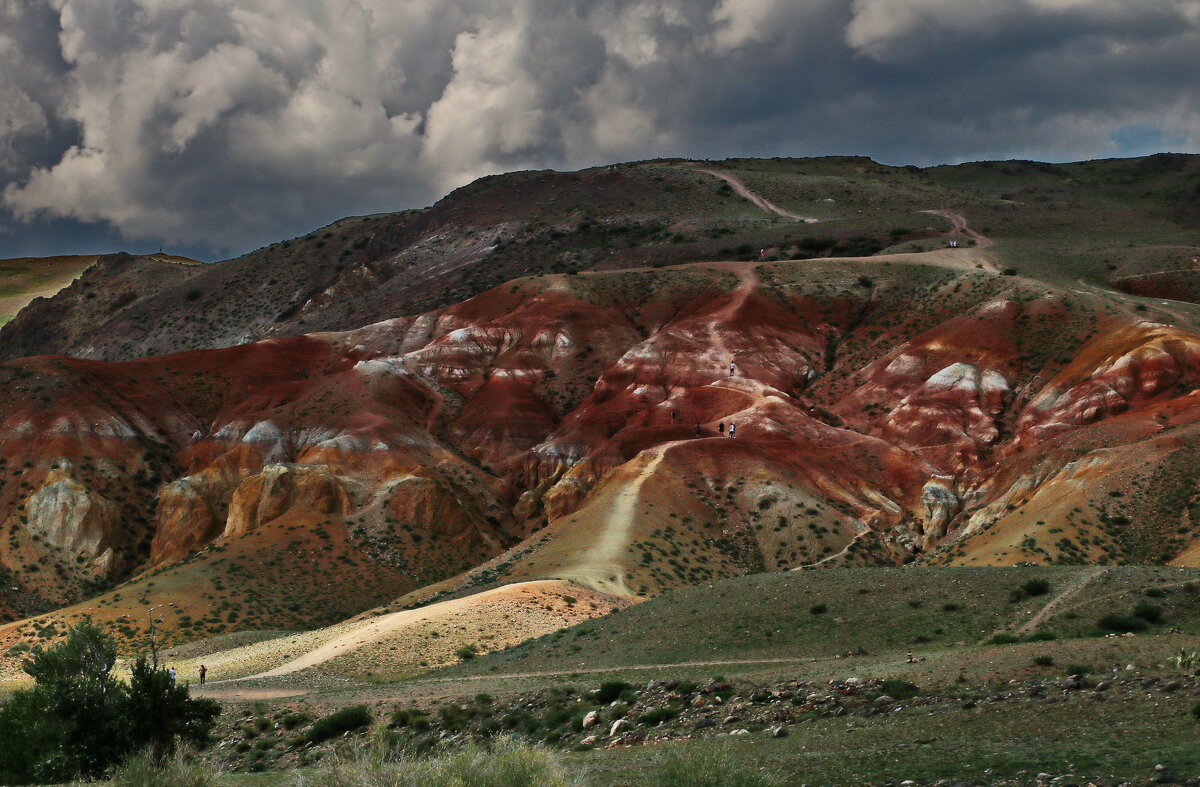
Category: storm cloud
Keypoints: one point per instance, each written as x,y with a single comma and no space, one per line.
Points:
219,125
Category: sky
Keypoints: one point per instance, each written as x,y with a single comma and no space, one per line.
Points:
213,127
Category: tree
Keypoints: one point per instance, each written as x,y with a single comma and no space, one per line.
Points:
158,711
79,720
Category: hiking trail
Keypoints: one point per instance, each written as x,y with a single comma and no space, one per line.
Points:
601,568
742,191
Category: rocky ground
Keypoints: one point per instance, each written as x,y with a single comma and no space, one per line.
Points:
618,715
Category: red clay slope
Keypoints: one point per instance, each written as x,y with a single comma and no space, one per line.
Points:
922,413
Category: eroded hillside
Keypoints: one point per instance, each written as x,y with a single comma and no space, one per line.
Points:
568,427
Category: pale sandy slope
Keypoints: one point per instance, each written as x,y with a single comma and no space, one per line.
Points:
397,642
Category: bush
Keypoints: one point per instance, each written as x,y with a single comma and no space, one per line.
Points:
688,765
1044,661
1003,639
467,652
1079,669
900,689
611,690
1196,711
658,715
1036,587
1150,613
818,609
353,718
1120,623
79,721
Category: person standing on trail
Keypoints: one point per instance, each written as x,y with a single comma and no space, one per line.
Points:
673,414
721,428
203,672
732,427
172,672
732,367
697,430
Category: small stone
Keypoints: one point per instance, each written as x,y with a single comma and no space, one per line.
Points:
1103,686
740,732
1172,686
590,719
617,727
704,724
730,720
1044,777
882,701
779,732
1160,767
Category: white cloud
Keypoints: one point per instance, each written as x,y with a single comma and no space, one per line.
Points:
234,122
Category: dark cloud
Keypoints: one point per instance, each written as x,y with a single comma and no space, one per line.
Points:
218,125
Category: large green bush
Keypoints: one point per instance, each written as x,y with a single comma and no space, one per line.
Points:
79,720
353,718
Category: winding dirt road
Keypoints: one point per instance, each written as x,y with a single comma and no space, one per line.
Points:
742,191
959,227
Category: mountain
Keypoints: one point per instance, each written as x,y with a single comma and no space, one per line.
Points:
995,403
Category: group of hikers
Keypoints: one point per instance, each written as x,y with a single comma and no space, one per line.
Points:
203,674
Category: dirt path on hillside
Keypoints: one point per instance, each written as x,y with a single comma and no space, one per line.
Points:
835,555
1084,579
603,570
959,227
749,282
742,191
375,629
1165,304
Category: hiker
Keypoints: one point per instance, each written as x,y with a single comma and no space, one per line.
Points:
731,428
721,428
732,367
172,671
673,414
203,672
697,430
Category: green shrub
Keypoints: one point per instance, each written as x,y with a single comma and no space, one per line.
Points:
1196,711
353,718
658,715
1003,639
467,652
1044,661
1036,587
1120,623
900,689
79,721
688,765
1079,669
1150,613
611,690
413,718
818,609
